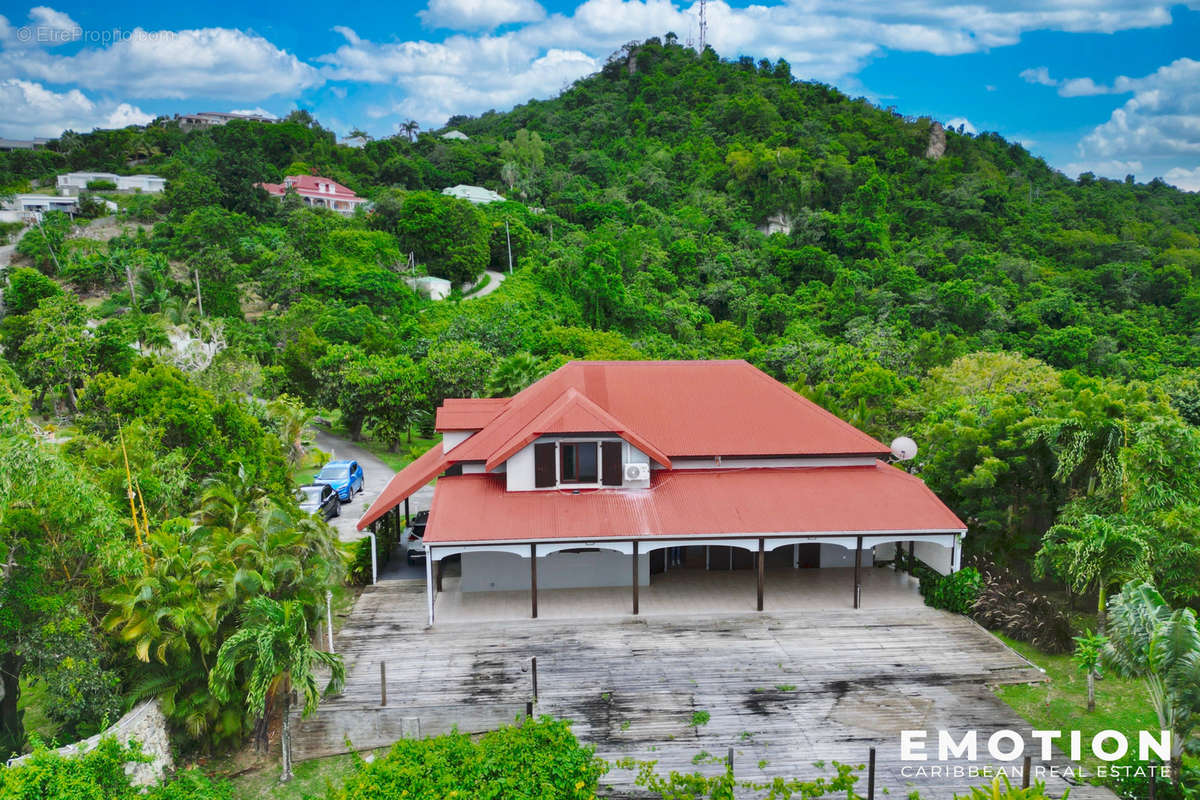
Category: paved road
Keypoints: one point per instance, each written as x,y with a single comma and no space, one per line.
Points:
376,475
497,278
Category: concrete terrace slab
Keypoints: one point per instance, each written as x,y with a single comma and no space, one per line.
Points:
783,688
688,590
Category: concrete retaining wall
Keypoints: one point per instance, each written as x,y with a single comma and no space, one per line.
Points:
145,724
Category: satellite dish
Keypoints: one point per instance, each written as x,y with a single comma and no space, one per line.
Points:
903,448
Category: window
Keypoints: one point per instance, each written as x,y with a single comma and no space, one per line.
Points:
578,462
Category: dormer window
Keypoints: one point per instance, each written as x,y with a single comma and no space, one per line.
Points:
577,462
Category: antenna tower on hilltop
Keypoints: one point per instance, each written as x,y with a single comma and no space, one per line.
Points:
703,25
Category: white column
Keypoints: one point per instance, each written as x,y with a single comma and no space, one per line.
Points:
429,581
956,560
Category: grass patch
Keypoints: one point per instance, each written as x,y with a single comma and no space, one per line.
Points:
312,778
700,718
1061,702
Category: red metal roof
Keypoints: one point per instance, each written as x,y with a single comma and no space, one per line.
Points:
468,414
310,185
573,413
686,408
405,482
761,501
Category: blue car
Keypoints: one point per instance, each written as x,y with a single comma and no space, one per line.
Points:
344,477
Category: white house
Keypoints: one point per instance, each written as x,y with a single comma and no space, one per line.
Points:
475,194
208,119
74,182
455,134
589,476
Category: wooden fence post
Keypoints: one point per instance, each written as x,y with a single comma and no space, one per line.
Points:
382,684
871,775
729,761
1026,769
533,670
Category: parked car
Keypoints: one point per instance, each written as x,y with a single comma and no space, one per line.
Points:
414,538
319,498
346,478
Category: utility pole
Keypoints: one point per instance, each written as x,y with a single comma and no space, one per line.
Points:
199,299
508,239
703,26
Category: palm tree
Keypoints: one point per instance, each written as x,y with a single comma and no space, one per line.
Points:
1149,640
292,419
410,129
274,641
1090,551
513,374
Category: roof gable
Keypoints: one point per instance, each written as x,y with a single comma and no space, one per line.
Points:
573,412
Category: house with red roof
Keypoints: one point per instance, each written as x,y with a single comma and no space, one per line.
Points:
603,474
318,192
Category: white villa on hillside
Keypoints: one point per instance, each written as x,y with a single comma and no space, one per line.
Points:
475,194
74,182
603,474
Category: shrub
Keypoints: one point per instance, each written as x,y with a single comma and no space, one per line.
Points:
1006,605
387,534
101,185
99,775
955,592
538,759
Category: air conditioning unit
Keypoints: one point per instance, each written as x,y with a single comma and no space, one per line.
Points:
637,472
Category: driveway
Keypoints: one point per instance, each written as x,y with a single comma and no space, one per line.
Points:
497,278
376,475
783,689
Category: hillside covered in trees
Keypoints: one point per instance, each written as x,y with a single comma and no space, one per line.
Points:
1037,336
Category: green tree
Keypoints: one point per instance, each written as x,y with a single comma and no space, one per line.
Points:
450,236
1150,641
1091,552
274,641
58,352
512,374
1088,649
456,369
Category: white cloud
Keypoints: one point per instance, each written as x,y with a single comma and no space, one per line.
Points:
964,122
33,110
204,62
1112,168
1160,121
1081,87
52,28
257,111
476,15
1038,75
1186,179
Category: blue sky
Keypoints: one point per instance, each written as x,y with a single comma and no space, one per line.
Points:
1111,86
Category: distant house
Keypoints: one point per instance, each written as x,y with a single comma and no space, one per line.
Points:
317,192
7,145
431,287
28,208
207,119
588,477
74,182
459,135
475,194
354,141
